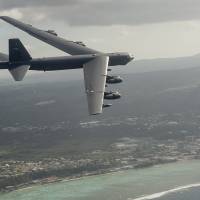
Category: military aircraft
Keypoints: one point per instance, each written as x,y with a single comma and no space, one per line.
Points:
94,63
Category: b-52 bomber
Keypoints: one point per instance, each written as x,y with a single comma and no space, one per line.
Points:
94,63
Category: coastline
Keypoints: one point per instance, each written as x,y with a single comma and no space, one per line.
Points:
55,179
157,182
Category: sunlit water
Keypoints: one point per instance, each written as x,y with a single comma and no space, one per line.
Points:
170,181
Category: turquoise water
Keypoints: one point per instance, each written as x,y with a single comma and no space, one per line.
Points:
126,185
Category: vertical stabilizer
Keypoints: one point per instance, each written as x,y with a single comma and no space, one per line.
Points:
18,56
17,51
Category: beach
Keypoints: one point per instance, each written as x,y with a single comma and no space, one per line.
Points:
149,183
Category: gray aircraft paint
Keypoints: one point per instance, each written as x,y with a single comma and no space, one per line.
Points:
94,63
60,43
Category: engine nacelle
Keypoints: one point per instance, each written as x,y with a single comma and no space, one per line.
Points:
107,105
112,95
113,79
18,73
80,43
52,32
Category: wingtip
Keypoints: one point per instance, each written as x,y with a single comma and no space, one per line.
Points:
2,17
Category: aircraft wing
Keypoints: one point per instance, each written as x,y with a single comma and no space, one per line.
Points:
95,73
95,69
50,37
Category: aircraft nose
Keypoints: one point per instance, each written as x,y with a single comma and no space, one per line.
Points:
131,57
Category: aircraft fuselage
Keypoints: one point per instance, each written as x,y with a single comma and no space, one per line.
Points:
66,62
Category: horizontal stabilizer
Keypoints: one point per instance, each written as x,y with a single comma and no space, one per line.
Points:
19,72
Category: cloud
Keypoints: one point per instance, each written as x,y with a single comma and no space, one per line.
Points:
10,4
167,28
109,12
44,103
15,13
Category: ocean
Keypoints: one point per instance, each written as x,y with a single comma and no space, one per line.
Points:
180,181
188,194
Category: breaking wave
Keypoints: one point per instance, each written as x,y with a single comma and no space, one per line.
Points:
161,194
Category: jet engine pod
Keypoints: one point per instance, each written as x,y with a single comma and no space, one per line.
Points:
107,105
112,95
52,32
80,43
113,79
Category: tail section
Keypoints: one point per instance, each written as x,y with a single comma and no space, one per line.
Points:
17,51
18,57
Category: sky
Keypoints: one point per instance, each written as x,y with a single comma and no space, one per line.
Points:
145,28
